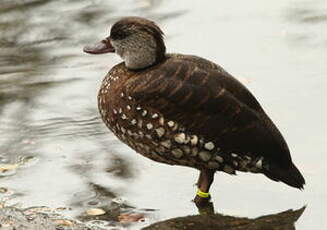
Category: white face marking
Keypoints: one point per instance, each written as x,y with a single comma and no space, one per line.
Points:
160,131
180,138
149,126
209,146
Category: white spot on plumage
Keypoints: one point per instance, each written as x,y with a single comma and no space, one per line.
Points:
144,113
178,153
186,149
194,140
194,151
138,108
129,98
115,111
122,94
209,146
170,123
180,138
161,121
259,163
128,107
234,155
141,133
160,131
219,159
149,126
140,123
204,155
166,143
124,117
133,121
155,115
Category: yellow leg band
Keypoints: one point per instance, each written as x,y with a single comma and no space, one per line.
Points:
202,194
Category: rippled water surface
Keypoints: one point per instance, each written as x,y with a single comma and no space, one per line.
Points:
61,154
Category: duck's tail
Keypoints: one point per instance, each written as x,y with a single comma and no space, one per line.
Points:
290,176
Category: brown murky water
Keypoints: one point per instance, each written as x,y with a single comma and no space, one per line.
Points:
58,153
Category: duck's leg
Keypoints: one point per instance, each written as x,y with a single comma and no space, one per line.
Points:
204,182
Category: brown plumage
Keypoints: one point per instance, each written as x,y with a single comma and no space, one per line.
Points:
185,110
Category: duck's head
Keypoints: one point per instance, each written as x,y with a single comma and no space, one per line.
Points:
138,41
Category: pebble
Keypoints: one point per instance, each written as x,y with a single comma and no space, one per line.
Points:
95,212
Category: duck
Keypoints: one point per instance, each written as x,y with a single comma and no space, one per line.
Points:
185,110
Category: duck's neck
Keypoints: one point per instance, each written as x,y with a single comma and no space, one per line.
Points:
141,56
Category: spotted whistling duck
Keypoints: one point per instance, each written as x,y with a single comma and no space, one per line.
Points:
185,110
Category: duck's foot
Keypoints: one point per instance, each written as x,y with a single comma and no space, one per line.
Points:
204,205
202,198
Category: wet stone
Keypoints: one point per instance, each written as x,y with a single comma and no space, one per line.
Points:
95,212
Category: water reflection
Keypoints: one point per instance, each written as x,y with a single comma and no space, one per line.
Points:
281,221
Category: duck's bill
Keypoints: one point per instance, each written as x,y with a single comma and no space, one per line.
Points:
100,48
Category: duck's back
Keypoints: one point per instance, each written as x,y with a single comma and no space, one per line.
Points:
189,111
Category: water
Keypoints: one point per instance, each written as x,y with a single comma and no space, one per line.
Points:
62,154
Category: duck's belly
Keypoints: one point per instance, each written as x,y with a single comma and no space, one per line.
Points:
163,140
